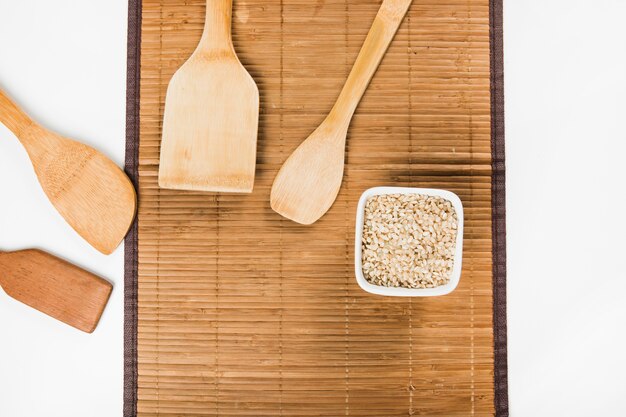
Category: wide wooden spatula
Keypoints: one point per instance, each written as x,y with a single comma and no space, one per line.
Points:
308,182
211,115
54,287
92,193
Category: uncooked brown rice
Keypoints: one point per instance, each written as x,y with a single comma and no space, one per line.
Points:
408,240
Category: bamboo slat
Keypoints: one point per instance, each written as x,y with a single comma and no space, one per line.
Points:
244,313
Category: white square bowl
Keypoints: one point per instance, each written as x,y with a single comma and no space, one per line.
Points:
400,291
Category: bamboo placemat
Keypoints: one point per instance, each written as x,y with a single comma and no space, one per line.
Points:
233,310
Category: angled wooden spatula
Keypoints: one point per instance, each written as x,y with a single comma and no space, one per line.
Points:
54,287
211,115
308,182
92,193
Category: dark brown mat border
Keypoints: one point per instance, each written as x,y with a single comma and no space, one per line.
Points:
130,244
498,210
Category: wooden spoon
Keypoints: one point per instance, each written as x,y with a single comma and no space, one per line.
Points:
54,287
309,181
92,193
211,115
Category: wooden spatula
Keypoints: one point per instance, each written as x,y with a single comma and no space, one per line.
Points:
211,115
54,287
308,182
92,193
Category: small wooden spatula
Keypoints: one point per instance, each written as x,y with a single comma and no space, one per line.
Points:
308,182
92,193
211,115
54,287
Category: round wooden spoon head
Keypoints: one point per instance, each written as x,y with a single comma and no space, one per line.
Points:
92,193
308,182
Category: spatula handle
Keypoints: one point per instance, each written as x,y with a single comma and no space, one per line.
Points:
217,26
12,116
381,33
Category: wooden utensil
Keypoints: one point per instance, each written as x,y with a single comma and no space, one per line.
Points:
92,193
54,287
211,115
308,182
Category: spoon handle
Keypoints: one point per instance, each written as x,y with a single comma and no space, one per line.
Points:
381,33
12,116
217,26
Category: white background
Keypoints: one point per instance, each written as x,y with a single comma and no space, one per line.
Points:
64,61
565,70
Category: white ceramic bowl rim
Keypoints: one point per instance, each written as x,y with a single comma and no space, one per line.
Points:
399,291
